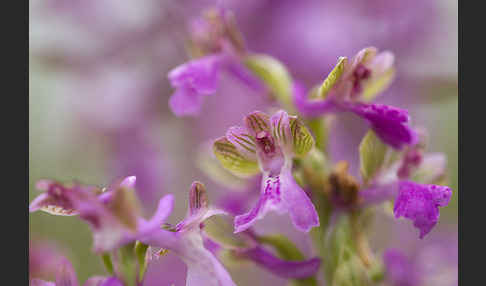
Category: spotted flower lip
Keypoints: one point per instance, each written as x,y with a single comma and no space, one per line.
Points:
350,87
110,212
420,203
187,242
268,144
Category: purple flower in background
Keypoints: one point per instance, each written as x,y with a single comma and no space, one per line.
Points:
420,203
400,269
111,212
193,80
268,145
216,45
186,241
350,86
67,277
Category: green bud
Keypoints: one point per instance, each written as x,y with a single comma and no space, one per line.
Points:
372,153
275,75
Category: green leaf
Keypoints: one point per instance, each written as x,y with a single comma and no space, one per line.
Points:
107,262
275,75
141,252
220,229
302,138
333,77
372,153
232,160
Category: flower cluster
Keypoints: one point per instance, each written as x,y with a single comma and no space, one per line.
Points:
280,159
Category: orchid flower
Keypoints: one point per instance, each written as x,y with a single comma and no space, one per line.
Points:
186,241
110,212
217,46
268,145
67,277
417,201
350,86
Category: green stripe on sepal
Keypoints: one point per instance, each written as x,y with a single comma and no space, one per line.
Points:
372,152
302,139
275,75
333,77
232,160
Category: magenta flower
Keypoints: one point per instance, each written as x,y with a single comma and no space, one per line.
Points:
67,277
110,212
185,240
350,86
268,145
194,80
420,203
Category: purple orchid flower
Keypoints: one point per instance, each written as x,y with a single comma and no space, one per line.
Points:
217,46
418,202
268,145
350,86
67,277
187,242
110,212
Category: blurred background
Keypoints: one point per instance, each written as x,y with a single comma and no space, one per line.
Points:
98,101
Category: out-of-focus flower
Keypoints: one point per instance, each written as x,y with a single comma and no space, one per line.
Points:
399,269
268,145
217,46
186,241
432,263
350,86
44,258
111,212
67,277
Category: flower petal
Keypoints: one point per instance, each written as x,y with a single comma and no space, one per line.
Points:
233,160
66,275
185,101
39,282
300,207
420,203
200,74
389,123
269,199
242,140
280,267
280,129
203,269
